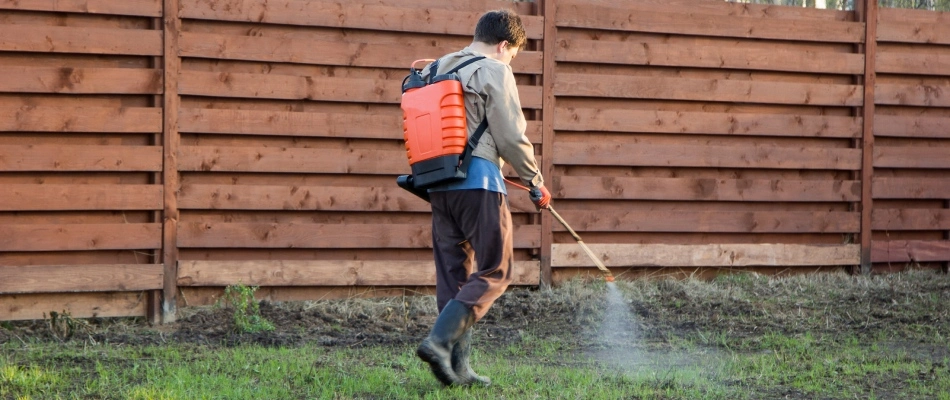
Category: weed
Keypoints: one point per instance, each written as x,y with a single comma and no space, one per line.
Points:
247,311
64,326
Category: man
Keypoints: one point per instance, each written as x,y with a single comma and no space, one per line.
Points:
471,221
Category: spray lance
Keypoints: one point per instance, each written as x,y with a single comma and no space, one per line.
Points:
535,195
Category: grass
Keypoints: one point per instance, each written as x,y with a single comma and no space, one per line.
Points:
539,369
742,337
253,372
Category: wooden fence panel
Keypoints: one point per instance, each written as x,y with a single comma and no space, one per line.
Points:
912,150
79,153
160,147
679,114
309,99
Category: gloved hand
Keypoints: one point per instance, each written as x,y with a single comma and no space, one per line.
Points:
540,196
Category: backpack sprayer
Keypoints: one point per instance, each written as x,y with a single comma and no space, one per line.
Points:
435,128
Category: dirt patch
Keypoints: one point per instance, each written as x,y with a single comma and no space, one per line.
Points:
906,307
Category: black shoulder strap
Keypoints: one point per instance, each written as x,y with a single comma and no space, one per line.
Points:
434,67
472,142
465,64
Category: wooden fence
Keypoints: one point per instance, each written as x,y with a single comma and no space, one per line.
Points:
154,151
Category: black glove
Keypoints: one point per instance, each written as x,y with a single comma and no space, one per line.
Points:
540,196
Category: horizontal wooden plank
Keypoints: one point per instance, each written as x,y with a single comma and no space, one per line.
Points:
911,126
19,79
912,95
209,295
913,32
715,90
706,255
734,57
82,40
891,14
141,8
348,15
911,188
687,122
317,198
712,221
699,189
913,63
79,237
292,87
288,160
302,51
471,5
722,8
80,158
314,236
912,157
578,14
62,197
638,154
77,305
286,123
81,119
80,278
910,250
327,273
307,124
910,219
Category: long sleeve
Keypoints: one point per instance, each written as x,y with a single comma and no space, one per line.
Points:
506,123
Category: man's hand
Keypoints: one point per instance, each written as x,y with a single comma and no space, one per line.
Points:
540,196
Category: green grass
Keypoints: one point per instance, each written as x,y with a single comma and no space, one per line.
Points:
537,368
252,372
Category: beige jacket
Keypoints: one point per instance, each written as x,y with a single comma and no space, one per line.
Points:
490,90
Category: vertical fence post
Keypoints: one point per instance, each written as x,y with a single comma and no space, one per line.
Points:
946,236
868,13
170,142
153,308
547,132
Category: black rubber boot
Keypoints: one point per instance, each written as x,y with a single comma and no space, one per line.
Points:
436,349
460,355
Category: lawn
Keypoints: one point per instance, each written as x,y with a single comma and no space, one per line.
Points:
826,336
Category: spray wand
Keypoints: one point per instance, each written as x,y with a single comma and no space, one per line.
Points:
536,194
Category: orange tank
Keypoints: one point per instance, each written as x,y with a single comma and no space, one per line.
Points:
434,125
434,122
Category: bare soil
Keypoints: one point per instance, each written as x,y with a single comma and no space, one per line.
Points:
908,307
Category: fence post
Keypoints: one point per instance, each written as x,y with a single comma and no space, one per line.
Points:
547,8
946,236
153,300
170,142
868,12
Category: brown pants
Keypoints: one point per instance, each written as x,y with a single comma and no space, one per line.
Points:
473,246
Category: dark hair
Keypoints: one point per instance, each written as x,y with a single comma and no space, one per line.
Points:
499,25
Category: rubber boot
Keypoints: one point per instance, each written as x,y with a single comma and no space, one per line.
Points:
460,355
436,349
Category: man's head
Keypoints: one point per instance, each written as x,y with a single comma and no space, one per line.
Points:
503,31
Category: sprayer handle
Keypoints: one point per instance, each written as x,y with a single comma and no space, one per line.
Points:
535,194
540,196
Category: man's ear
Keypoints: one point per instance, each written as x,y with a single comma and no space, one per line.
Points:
501,47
